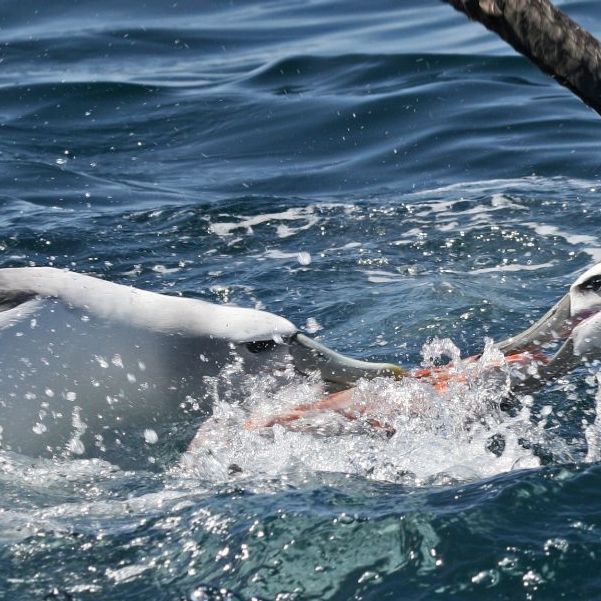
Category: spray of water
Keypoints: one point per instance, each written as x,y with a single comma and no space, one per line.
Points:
407,431
592,431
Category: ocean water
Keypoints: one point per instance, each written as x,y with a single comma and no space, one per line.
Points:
385,175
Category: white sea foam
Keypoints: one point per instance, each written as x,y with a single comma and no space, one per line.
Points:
551,230
306,215
509,267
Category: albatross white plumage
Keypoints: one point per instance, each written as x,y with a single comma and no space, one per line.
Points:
140,308
87,366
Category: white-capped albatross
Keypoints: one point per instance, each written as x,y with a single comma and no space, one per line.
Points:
88,366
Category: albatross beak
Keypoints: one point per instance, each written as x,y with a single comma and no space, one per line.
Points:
555,326
308,356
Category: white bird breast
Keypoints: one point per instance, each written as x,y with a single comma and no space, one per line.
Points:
586,338
73,382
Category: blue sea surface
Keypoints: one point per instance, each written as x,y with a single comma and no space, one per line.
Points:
441,186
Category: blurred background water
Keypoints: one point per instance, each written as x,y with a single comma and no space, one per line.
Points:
440,184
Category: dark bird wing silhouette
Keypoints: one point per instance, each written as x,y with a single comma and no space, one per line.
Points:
548,37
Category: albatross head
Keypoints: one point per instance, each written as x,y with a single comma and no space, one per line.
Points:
575,321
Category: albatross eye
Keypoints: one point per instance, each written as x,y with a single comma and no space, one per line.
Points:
593,283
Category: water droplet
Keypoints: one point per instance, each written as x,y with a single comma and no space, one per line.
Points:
304,258
101,361
39,428
76,446
117,361
150,436
312,325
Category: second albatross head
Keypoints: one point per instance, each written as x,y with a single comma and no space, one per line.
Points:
575,321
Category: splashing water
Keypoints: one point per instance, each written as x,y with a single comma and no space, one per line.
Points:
431,435
592,431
